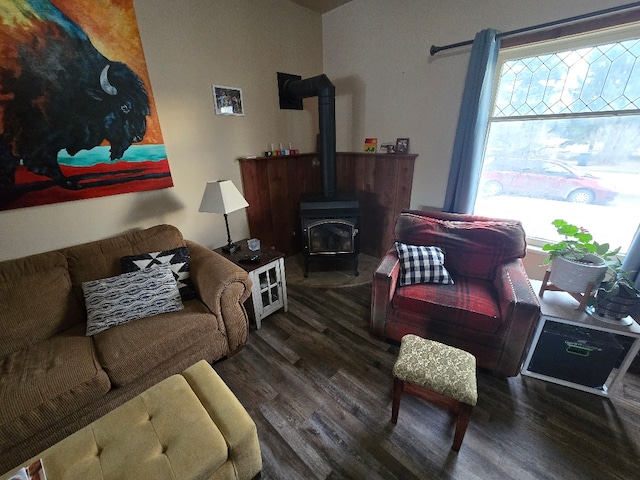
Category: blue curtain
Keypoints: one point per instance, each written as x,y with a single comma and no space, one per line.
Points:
631,263
466,161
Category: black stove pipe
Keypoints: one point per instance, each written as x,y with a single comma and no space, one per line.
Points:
321,87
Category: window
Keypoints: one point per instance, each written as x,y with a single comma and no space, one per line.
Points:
564,136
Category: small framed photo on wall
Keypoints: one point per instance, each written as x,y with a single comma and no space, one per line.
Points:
402,145
228,100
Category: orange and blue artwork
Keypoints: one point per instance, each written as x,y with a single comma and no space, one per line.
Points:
77,115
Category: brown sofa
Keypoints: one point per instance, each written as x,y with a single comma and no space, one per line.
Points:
490,310
54,379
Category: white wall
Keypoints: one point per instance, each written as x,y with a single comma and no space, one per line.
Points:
375,51
189,45
388,86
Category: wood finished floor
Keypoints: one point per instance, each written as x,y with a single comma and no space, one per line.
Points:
318,387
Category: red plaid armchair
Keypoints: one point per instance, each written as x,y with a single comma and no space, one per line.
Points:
490,309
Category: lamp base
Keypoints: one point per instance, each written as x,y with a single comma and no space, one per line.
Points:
231,248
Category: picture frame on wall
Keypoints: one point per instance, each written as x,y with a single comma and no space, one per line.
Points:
228,100
402,145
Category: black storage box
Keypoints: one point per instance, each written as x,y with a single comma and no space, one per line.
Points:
575,354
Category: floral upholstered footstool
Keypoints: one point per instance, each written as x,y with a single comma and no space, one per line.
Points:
438,373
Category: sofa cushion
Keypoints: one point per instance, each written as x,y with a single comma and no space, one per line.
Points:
101,259
179,260
475,245
470,303
420,264
133,349
38,387
116,300
37,300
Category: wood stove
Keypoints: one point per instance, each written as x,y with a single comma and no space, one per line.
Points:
330,229
329,220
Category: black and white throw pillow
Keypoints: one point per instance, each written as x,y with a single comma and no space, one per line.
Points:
420,264
177,258
130,296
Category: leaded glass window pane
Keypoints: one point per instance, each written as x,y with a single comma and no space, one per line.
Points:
564,137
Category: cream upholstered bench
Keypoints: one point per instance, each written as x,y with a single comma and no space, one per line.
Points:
188,426
438,373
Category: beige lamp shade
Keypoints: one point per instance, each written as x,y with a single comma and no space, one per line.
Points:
223,197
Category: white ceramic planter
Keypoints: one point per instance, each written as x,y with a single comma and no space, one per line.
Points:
574,277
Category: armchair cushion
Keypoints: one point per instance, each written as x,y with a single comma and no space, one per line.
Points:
422,264
469,304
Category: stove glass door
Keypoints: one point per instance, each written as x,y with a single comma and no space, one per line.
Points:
330,237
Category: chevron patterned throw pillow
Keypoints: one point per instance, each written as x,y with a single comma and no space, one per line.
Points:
177,258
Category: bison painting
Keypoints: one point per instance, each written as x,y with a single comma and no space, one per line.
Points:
58,92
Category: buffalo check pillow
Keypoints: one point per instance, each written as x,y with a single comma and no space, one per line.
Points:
177,258
420,264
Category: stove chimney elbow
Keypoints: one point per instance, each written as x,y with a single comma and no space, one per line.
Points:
309,87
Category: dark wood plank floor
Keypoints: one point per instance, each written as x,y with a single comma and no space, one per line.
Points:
318,387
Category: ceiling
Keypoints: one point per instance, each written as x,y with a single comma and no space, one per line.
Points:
321,6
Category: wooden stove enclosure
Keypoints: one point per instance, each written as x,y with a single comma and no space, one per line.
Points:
273,187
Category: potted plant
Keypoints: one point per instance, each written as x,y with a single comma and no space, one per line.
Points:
577,260
617,296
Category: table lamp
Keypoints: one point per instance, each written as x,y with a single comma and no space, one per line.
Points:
222,196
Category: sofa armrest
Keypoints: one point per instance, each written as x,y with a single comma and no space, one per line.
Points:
383,287
223,287
520,309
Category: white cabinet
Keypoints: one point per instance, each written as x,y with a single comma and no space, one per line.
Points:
269,283
269,291
561,312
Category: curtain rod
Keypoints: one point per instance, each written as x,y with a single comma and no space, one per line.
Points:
435,49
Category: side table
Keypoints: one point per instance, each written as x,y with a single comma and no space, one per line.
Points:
558,309
269,290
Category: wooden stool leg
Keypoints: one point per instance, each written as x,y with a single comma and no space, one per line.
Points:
464,414
398,387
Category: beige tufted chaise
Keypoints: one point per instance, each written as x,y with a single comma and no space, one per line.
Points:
188,426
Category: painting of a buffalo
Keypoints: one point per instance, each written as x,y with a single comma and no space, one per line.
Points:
59,95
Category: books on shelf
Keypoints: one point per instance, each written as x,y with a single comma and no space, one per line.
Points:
35,471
